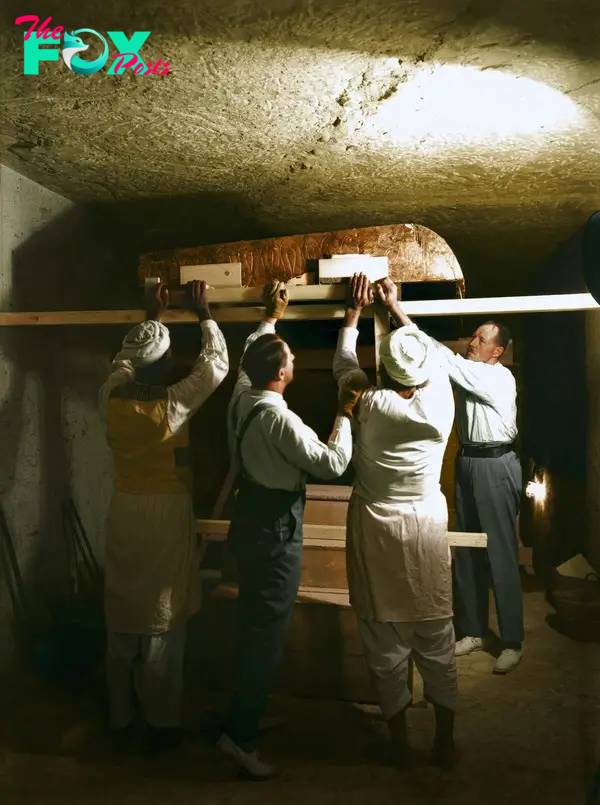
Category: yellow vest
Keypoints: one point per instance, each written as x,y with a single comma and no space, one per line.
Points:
149,459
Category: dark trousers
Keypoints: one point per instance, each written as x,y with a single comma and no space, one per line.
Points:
265,537
488,496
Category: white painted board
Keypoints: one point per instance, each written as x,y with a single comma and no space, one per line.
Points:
342,267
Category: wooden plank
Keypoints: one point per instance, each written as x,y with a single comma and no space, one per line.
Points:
329,629
381,324
324,568
341,267
130,317
464,539
306,312
218,275
326,512
337,534
307,595
486,306
328,492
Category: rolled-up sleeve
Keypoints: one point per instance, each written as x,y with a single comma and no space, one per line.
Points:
301,446
210,369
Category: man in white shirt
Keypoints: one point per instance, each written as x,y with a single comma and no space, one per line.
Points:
398,558
488,492
275,451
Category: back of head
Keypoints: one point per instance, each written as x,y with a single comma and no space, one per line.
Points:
264,359
147,346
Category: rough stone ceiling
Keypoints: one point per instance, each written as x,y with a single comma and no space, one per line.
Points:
479,119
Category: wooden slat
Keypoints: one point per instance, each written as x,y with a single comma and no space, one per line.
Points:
335,535
310,595
328,492
219,275
326,512
307,312
130,317
381,324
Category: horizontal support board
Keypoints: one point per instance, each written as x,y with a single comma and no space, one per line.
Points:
306,595
91,318
231,298
332,536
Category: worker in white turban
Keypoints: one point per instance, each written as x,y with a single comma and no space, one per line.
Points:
145,344
397,554
152,583
404,354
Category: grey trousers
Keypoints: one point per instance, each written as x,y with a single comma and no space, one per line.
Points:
150,665
388,648
488,496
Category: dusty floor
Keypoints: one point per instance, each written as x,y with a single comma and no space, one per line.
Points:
526,738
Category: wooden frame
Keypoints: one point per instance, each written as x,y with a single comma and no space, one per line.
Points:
332,536
235,305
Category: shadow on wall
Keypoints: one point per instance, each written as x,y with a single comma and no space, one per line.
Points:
84,259
61,266
152,224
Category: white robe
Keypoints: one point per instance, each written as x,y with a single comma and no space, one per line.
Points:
397,553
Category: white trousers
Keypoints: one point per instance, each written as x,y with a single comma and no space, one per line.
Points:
150,665
388,647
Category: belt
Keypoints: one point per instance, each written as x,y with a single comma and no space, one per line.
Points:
486,451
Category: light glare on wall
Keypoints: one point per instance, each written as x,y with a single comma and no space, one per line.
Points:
454,104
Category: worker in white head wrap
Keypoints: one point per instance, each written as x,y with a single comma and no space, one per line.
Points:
397,554
152,557
404,355
145,344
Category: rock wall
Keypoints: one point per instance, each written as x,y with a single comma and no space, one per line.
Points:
52,442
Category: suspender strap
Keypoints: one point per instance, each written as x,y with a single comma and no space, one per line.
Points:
245,425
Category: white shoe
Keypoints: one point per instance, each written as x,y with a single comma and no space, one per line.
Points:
248,761
508,661
468,645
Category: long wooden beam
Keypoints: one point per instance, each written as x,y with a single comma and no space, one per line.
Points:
117,317
227,305
331,536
